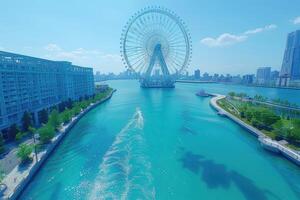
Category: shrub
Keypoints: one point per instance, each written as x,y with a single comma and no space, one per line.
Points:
54,119
257,124
46,133
24,152
76,110
19,136
66,116
232,94
268,117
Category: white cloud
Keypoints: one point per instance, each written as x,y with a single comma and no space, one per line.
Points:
105,62
261,29
223,40
296,20
52,47
227,39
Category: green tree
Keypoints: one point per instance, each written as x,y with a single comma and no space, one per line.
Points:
268,117
46,133
44,116
282,129
54,119
76,109
13,130
257,124
19,136
26,121
260,98
66,116
295,133
24,152
249,114
232,94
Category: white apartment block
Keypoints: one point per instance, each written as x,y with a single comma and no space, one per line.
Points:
32,84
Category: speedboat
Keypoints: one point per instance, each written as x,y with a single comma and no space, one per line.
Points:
202,93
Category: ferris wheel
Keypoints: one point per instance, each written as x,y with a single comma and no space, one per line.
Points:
156,32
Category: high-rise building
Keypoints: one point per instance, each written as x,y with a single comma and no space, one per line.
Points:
248,79
274,77
290,70
33,84
263,75
197,74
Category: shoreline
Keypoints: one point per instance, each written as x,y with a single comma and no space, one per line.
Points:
265,141
246,85
18,179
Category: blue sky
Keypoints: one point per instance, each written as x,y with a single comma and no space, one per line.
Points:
232,36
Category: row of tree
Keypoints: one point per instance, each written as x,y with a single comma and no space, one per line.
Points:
261,98
53,122
264,118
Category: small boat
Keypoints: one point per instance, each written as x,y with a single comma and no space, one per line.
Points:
202,93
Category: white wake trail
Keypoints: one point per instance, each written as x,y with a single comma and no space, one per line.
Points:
125,172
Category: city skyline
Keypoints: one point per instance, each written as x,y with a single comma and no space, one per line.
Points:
239,41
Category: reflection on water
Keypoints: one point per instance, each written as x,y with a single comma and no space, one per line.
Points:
217,175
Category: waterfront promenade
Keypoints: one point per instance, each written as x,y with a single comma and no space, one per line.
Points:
265,141
20,176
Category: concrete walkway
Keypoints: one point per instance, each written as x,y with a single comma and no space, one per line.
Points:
20,176
266,141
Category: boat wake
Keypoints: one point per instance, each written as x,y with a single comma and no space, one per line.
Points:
125,172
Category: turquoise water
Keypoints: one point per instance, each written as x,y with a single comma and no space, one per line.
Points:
164,144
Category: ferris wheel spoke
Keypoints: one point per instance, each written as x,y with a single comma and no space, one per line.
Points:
136,57
175,63
174,40
138,61
179,51
132,49
136,54
135,40
176,35
179,60
173,68
142,66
